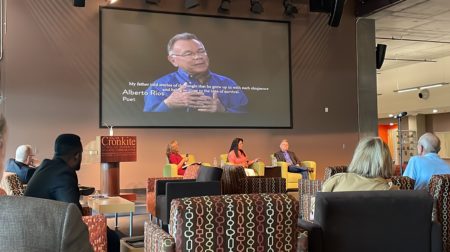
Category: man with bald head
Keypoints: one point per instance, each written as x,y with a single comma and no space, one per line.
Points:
427,163
22,165
193,87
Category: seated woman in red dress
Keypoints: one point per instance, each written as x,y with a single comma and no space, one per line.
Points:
237,155
174,156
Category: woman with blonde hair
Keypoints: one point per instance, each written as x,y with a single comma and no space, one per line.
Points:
370,169
174,157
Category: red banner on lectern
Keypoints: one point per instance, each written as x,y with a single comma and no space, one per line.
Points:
117,149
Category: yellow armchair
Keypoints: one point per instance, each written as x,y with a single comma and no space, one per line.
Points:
170,170
292,178
258,167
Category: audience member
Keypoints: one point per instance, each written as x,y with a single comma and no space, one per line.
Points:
370,169
427,163
22,165
174,157
237,156
284,155
56,179
30,224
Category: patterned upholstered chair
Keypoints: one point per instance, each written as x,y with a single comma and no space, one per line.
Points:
12,184
234,181
373,221
97,231
240,222
403,182
306,190
263,185
439,188
151,194
331,170
207,183
156,239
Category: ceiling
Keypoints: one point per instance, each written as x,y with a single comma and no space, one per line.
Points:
415,32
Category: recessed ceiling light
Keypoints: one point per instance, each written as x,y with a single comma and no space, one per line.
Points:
391,115
435,111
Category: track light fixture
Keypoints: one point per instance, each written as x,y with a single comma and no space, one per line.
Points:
188,4
224,6
289,8
256,6
153,1
79,3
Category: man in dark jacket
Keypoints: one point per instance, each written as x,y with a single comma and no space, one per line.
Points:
22,165
284,155
56,179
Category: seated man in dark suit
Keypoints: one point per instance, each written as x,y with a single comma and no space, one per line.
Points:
284,155
22,165
29,224
56,179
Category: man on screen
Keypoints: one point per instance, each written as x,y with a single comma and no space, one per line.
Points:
193,87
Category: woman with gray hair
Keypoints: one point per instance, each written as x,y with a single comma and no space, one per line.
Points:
370,169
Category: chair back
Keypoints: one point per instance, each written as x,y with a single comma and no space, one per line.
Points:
207,174
242,222
331,170
374,220
12,184
439,188
223,158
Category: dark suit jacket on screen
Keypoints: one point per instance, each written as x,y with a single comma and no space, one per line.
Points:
280,157
36,225
55,180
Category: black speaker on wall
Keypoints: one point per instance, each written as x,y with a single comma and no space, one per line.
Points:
333,7
381,52
79,3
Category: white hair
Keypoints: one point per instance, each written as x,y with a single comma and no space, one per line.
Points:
23,152
430,143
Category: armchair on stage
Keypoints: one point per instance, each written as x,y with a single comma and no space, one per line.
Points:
171,170
292,178
240,222
258,167
372,221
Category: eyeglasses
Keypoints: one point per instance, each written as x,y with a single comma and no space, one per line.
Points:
192,55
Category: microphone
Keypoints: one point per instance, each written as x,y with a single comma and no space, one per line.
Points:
401,114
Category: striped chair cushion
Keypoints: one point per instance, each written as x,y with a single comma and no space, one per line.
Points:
306,190
439,188
263,185
239,222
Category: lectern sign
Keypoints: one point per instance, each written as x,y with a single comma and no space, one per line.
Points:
117,149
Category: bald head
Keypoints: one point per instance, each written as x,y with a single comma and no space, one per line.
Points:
23,152
429,143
